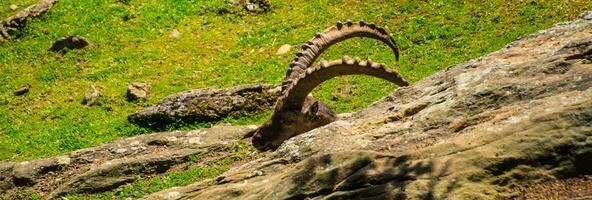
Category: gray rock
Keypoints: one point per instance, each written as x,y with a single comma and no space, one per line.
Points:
22,90
27,173
283,49
175,34
137,91
474,131
253,5
11,24
91,97
6,180
208,105
109,165
477,130
69,42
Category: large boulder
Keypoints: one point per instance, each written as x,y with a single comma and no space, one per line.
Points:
69,42
205,105
474,131
514,124
113,164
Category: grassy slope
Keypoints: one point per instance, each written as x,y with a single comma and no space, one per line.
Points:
222,47
6,11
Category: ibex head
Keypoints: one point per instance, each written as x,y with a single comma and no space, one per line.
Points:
295,111
285,124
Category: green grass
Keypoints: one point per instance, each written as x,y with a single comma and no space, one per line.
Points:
221,46
6,11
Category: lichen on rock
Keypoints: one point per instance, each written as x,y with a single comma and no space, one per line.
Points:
205,105
474,131
496,127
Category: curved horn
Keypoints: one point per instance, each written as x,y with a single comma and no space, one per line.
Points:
334,34
295,94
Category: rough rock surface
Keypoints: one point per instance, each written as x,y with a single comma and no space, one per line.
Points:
208,105
284,49
110,165
91,97
519,115
175,34
137,91
502,126
13,6
22,90
10,25
253,5
69,42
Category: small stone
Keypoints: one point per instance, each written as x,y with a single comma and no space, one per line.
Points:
137,91
251,7
283,49
22,90
69,42
13,7
175,34
91,97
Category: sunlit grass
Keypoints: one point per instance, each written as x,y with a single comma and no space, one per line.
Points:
221,46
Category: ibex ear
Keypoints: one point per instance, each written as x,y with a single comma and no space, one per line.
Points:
313,110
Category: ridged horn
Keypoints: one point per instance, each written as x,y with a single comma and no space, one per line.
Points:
311,49
295,94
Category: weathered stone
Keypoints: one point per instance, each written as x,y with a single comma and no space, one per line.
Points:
175,34
284,49
69,42
6,181
27,173
137,91
208,105
90,98
11,24
483,129
253,5
13,7
474,131
109,165
22,90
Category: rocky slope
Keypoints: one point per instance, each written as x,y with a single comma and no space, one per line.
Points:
500,126
110,165
475,131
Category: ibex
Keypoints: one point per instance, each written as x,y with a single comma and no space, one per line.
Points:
295,110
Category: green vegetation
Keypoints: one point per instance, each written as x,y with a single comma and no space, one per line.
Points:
6,11
222,46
